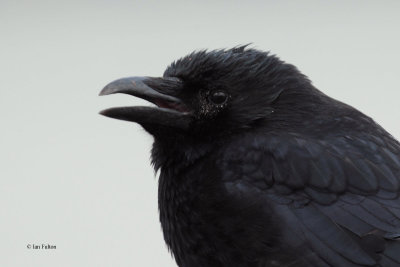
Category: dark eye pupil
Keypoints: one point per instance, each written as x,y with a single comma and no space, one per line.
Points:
218,97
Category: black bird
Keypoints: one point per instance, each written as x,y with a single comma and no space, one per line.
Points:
259,168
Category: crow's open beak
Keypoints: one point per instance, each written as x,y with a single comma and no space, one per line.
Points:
170,110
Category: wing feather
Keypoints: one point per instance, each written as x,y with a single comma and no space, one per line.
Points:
334,194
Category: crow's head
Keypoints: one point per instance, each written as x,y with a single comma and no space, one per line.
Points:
210,93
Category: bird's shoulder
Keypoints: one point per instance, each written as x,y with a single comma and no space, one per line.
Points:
323,168
328,191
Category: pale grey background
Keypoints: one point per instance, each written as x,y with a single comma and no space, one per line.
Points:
82,182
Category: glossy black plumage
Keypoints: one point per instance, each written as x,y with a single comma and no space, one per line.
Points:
277,175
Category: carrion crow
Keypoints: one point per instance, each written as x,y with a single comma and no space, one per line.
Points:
259,168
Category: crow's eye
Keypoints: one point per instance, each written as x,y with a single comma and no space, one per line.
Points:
218,97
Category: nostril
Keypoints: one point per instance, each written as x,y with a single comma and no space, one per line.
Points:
169,85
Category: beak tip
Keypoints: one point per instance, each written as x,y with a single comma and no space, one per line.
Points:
124,85
103,112
106,91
